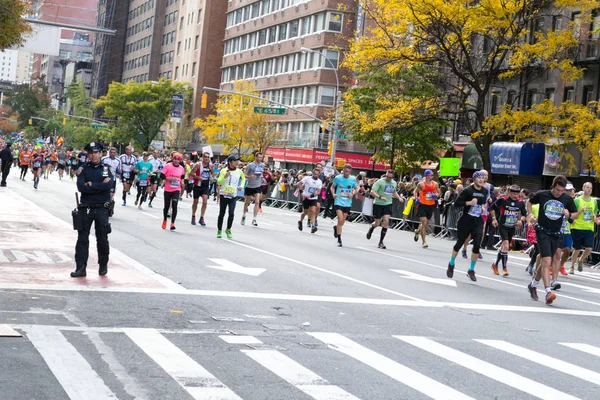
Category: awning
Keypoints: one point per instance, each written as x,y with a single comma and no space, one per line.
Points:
517,158
471,159
562,160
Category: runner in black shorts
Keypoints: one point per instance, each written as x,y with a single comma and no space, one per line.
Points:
383,191
473,199
555,207
512,214
201,174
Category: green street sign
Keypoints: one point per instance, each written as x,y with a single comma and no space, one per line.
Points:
96,126
269,110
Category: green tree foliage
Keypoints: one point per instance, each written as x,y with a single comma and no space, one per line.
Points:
77,132
28,101
140,109
12,25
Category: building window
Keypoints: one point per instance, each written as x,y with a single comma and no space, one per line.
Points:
181,23
550,94
333,57
335,22
569,94
196,41
327,94
178,48
194,69
199,16
588,95
176,72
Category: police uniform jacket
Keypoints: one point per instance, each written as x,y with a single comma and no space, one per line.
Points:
99,192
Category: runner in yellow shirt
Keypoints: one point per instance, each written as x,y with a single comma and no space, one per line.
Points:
582,230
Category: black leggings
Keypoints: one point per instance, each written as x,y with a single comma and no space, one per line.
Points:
469,226
24,170
534,253
171,200
142,191
223,204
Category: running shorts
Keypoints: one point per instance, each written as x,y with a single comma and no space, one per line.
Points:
548,244
423,211
202,190
380,210
582,238
567,242
344,210
306,203
252,191
506,233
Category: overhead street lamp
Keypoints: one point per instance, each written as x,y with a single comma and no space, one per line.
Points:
336,101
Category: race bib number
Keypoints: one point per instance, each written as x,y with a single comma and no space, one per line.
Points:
258,170
345,193
554,209
126,175
510,218
587,216
566,228
143,182
476,210
429,196
37,164
191,181
26,158
229,191
174,184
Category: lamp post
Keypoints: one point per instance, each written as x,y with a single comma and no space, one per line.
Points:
336,101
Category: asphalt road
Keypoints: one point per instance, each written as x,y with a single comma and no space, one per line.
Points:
288,315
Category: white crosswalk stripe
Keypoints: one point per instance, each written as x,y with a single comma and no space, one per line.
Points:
297,375
194,378
69,367
547,361
391,368
586,348
72,364
484,368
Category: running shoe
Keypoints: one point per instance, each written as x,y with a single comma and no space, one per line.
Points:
173,227
381,245
308,223
193,220
219,234
335,235
504,273
571,271
339,242
471,275
550,297
370,233
450,271
580,265
532,292
149,205
495,269
202,221
416,238
562,270
425,245
299,225
228,233
480,256
254,223
260,210
529,269
464,254
164,224
243,220
124,203
555,285
314,229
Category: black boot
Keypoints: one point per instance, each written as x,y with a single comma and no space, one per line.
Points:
103,270
79,272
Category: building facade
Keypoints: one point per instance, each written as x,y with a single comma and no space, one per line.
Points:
8,65
24,67
263,41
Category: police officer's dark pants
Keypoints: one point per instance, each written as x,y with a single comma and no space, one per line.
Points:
5,171
98,216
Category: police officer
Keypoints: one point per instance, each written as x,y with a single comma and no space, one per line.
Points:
94,181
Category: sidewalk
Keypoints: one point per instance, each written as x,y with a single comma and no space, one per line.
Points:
37,252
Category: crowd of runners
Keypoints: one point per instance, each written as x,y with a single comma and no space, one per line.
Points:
558,223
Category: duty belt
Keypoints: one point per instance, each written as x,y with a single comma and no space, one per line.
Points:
86,206
538,227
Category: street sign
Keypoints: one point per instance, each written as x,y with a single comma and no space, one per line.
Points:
269,110
97,126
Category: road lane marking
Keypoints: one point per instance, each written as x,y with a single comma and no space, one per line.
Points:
297,375
150,215
190,375
325,271
232,339
486,369
312,298
417,277
391,368
544,360
503,280
229,266
586,348
72,371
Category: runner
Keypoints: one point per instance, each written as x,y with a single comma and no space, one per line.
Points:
383,191
61,163
567,244
81,160
114,164
512,214
253,191
267,179
157,166
37,162
427,193
343,190
128,163
473,201
49,163
72,165
24,160
231,180
172,173
201,175
189,184
311,189
582,229
555,206
143,169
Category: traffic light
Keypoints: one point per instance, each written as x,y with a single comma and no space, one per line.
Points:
30,121
204,100
330,147
64,120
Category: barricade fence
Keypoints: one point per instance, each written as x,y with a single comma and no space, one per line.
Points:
443,224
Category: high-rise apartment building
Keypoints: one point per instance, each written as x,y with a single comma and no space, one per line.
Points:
263,41
199,48
24,67
8,65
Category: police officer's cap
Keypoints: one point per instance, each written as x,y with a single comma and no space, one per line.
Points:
93,147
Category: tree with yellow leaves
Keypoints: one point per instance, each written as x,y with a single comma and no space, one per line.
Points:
236,125
475,45
12,25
